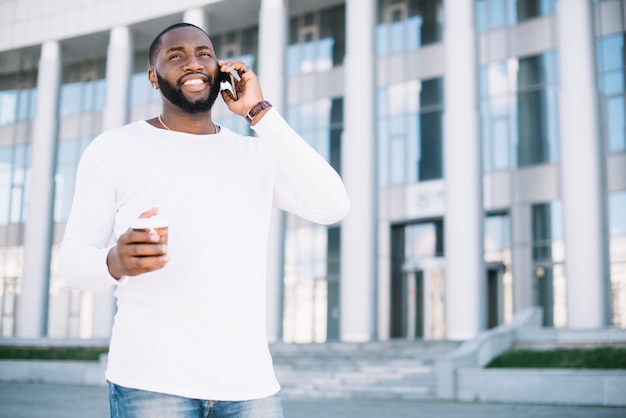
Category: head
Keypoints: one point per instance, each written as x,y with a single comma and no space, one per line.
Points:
184,66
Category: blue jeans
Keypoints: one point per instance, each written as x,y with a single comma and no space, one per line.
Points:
135,403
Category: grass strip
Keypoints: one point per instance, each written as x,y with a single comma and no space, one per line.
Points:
574,358
52,353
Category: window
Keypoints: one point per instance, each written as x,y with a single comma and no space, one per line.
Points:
15,168
238,45
410,132
68,155
497,230
536,110
494,14
316,41
405,25
140,89
321,124
313,252
617,251
423,240
83,89
17,105
519,120
611,72
498,263
548,257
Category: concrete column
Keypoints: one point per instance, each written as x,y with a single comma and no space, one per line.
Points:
32,313
586,265
465,273
119,68
115,114
196,17
358,231
273,23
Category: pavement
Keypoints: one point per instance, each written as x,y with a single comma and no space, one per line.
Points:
38,400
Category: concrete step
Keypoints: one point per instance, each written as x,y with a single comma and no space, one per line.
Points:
395,369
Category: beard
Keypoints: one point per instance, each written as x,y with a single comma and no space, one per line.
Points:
175,95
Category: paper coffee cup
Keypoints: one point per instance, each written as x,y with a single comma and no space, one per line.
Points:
156,224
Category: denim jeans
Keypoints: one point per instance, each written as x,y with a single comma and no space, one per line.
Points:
134,403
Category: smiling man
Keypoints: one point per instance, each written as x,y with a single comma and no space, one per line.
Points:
189,337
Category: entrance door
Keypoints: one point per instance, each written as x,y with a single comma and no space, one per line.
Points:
417,309
414,304
494,295
417,281
545,287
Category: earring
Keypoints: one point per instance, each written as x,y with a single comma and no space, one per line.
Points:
156,86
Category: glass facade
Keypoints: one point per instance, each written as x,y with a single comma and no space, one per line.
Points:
548,254
611,73
519,115
18,96
495,14
617,254
312,252
81,103
498,263
405,25
410,132
316,41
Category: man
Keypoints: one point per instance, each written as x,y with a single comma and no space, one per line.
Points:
189,336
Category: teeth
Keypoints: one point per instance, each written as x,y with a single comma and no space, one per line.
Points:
193,81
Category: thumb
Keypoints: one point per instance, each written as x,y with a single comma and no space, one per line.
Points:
149,213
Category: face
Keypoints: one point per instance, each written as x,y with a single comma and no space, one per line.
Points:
186,70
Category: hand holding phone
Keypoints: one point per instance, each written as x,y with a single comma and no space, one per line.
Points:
228,83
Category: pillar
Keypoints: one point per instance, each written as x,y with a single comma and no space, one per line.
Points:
358,230
586,264
115,114
32,313
463,224
273,22
196,17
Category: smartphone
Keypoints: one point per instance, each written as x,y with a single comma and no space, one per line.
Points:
228,83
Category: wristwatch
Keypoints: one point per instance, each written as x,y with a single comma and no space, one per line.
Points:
256,109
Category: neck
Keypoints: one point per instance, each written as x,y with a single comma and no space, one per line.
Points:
198,124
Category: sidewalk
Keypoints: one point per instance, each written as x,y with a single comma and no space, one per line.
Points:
23,400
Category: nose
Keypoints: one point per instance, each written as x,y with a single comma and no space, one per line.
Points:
193,63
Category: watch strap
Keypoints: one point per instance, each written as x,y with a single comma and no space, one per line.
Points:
256,109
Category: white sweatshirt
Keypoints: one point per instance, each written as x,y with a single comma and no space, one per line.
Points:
197,327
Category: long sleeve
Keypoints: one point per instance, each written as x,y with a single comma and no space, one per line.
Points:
305,183
89,228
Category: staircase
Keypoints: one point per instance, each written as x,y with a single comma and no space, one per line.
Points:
390,369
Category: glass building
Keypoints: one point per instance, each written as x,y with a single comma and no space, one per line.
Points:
482,142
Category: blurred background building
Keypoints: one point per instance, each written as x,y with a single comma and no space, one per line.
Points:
483,144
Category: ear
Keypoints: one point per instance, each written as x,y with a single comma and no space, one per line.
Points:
153,78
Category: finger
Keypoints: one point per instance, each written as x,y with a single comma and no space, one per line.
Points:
239,66
137,256
138,265
145,250
135,236
227,96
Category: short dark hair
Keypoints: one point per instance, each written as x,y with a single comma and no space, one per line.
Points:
154,46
